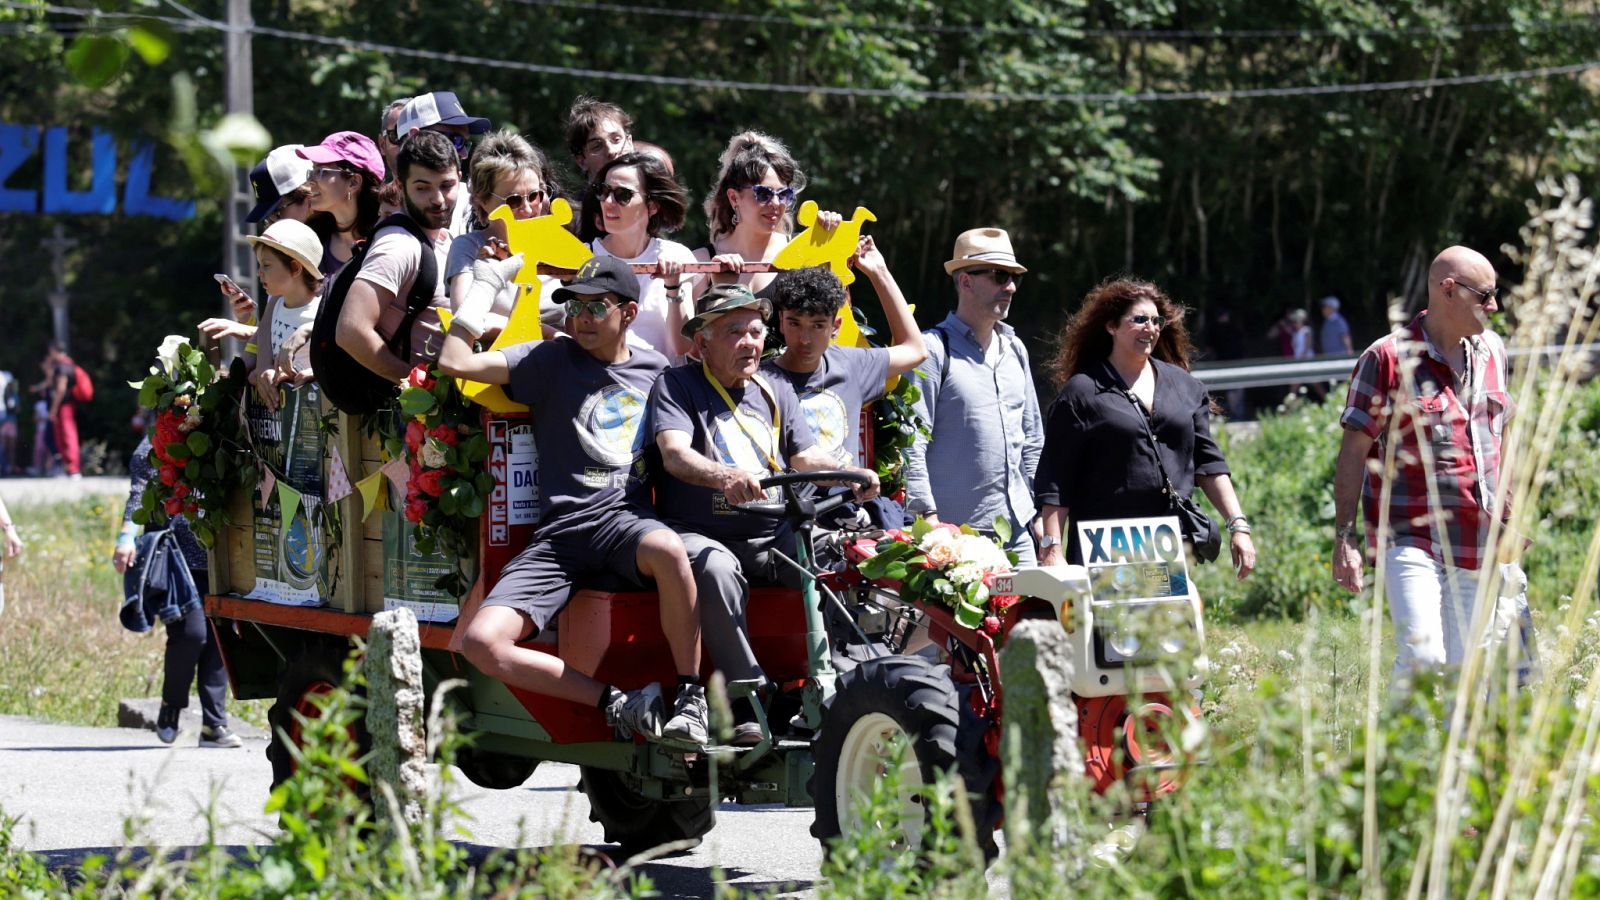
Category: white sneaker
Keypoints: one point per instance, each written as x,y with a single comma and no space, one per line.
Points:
689,714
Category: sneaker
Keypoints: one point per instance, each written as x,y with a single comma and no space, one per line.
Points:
167,724
637,712
689,713
746,734
219,737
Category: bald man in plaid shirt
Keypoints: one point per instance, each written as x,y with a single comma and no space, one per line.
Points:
1436,390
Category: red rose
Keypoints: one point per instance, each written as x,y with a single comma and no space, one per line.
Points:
420,377
991,625
415,510
191,507
416,433
430,482
173,506
444,433
169,475
180,491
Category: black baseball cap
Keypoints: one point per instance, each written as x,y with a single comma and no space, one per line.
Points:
600,275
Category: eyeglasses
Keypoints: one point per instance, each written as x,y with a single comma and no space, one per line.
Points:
598,309
1157,321
764,194
459,142
1001,276
529,200
1493,293
328,172
623,195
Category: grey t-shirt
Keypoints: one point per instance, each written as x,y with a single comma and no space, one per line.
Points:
684,400
846,379
587,420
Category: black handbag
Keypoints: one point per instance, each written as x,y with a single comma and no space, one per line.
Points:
1199,529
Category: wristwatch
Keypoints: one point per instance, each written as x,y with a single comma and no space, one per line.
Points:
1048,541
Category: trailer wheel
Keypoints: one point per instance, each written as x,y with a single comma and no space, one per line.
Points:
492,770
640,823
877,702
317,671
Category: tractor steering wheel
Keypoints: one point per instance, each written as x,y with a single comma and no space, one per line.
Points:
797,509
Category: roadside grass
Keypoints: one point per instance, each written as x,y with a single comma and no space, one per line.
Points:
64,656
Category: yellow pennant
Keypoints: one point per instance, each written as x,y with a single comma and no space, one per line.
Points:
371,488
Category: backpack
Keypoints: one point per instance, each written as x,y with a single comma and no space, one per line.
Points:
349,385
82,388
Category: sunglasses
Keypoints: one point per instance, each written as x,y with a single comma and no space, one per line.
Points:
1157,321
1484,297
459,142
764,194
1001,276
530,199
623,195
598,309
328,172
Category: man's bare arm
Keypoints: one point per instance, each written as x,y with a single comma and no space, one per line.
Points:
358,330
686,464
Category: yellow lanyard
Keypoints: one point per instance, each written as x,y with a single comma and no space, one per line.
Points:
772,400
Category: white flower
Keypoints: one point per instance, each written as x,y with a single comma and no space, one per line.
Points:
981,550
965,573
167,353
432,456
191,421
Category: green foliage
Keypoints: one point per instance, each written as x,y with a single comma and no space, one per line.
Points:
897,426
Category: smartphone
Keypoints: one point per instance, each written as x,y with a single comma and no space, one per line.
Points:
228,284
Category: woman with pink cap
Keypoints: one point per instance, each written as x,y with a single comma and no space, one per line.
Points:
349,170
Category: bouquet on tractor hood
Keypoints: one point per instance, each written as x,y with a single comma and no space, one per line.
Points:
448,484
951,566
198,444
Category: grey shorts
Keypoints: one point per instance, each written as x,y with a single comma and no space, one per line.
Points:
538,582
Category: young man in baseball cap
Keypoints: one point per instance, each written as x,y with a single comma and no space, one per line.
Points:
441,112
596,516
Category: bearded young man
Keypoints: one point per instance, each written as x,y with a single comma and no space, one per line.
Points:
430,175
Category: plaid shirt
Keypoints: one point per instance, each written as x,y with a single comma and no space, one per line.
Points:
1447,431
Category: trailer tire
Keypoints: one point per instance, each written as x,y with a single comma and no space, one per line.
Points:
316,671
493,770
638,823
877,701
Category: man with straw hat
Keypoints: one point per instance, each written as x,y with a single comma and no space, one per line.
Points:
979,402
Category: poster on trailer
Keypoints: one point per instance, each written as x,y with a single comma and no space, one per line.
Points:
289,546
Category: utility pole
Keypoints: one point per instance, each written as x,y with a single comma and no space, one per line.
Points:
58,245
238,260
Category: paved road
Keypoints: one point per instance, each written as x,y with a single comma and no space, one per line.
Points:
74,787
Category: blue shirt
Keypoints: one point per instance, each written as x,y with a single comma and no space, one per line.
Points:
987,431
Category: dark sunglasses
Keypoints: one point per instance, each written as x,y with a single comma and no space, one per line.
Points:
459,141
599,309
1001,276
1157,321
530,199
623,195
1484,297
765,194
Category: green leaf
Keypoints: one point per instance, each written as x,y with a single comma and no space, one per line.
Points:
897,571
447,503
96,59
178,450
920,529
199,444
476,449
191,470
415,402
141,516
484,483
1002,529
473,508
148,397
152,41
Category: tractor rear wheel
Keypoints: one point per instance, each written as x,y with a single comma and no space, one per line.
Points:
640,823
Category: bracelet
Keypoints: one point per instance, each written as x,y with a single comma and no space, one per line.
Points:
1237,525
1344,531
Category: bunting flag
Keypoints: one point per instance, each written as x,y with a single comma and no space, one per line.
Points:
288,502
371,488
268,481
338,477
398,472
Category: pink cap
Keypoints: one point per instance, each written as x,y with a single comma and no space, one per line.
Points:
347,146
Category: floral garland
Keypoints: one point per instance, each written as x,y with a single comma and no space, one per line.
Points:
448,485
199,443
954,567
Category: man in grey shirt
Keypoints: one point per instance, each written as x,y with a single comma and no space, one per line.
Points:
1335,330
979,402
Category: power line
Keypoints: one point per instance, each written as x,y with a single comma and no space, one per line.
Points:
864,24
1091,97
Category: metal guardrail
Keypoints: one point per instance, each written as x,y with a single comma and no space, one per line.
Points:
1271,373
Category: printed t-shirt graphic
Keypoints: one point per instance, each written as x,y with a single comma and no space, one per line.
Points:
587,419
846,379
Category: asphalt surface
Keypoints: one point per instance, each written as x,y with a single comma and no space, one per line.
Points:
74,787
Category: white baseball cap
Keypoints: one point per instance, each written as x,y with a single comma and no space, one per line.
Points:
437,108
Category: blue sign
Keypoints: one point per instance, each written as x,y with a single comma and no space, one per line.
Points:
18,143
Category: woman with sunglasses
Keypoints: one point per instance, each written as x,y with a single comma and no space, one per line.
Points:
345,194
751,209
1129,421
629,205
507,171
